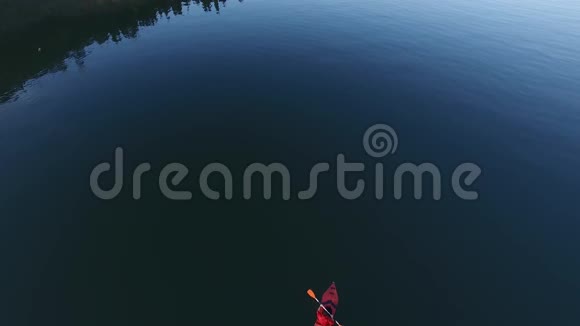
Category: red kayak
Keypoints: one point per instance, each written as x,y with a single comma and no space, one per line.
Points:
330,302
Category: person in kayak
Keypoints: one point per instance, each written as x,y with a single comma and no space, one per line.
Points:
330,302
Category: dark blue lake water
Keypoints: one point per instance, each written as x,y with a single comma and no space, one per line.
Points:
489,82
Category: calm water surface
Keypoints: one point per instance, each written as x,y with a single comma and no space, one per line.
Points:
491,82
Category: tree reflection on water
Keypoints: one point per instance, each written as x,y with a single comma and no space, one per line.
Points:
63,29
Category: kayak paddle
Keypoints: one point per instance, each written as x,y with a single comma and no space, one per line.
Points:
313,296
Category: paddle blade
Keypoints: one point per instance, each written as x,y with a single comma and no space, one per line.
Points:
311,294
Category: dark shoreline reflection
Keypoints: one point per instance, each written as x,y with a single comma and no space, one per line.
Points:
63,33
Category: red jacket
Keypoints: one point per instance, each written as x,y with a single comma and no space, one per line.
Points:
323,319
